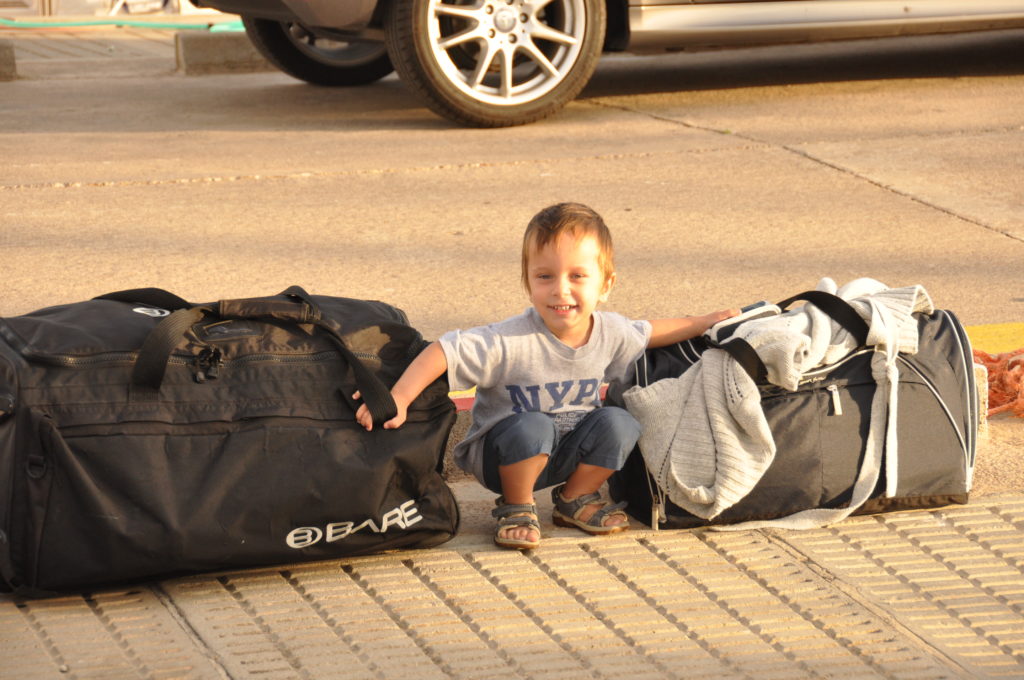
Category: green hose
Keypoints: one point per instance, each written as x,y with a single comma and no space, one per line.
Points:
214,27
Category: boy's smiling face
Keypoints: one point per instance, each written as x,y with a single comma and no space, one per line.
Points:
566,284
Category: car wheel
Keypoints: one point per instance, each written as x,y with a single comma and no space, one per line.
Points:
300,53
494,63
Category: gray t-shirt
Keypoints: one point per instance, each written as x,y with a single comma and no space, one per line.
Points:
518,365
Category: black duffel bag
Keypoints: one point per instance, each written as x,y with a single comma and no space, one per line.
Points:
142,436
820,430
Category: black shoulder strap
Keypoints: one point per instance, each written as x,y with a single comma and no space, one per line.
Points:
837,308
293,306
746,356
834,306
156,349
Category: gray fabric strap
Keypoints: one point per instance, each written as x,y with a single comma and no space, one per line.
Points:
511,509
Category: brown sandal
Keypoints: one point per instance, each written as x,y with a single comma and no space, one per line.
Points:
511,515
567,512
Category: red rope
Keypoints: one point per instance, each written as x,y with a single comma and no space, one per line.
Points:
1005,381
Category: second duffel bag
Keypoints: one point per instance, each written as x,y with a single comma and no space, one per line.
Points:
821,428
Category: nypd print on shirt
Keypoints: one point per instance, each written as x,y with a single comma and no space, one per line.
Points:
557,399
554,395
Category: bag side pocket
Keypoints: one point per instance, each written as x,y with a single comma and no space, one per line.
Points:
25,441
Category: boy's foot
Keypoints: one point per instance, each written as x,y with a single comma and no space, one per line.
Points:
588,513
518,527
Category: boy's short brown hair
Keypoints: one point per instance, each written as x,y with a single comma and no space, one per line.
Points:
568,218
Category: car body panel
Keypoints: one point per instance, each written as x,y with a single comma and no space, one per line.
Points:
669,24
347,15
339,15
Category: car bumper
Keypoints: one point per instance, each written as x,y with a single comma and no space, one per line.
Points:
347,15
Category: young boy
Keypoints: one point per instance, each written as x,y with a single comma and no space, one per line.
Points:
537,416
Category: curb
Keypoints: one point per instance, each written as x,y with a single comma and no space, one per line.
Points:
8,67
203,53
996,338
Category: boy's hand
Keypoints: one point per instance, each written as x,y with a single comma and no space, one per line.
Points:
364,418
721,315
669,331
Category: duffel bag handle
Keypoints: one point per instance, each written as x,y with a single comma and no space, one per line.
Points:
838,309
296,307
299,308
154,297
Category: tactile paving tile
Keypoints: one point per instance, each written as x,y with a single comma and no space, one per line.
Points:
952,577
919,595
815,624
128,634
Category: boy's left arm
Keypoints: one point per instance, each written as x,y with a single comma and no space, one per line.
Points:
669,331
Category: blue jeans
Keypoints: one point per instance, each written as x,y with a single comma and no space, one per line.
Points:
605,437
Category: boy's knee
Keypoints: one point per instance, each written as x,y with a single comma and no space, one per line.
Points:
618,424
612,437
529,426
513,440
522,436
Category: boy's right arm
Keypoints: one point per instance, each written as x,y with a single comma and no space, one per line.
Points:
427,367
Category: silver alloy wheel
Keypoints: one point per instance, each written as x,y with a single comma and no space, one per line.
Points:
333,52
506,52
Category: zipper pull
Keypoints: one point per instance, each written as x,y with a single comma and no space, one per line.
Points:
207,365
198,371
213,364
658,512
837,406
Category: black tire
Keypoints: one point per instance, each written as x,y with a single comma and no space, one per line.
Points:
299,53
439,47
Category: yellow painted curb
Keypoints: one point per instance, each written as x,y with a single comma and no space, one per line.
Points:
997,337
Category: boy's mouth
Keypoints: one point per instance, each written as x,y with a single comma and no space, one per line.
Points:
563,308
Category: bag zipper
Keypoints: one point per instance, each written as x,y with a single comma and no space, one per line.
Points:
814,372
938,398
970,387
837,406
73,361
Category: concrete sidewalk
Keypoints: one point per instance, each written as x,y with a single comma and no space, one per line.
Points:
920,594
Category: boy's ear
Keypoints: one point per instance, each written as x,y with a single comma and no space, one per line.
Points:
607,289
